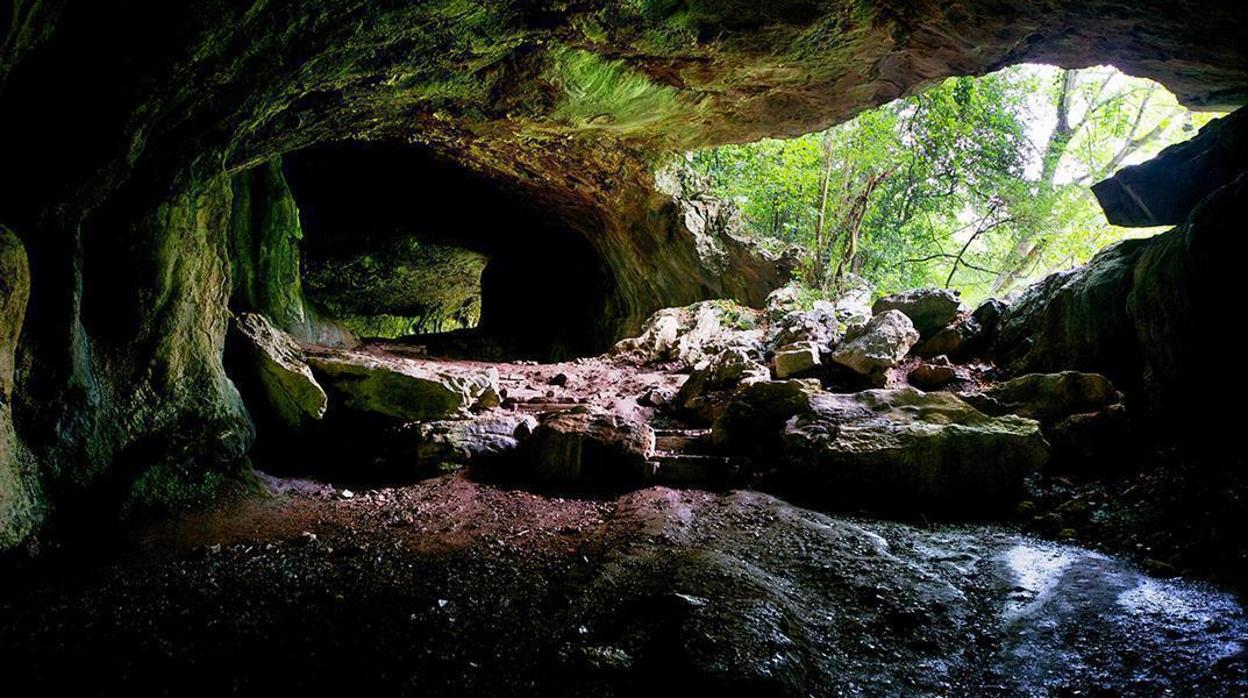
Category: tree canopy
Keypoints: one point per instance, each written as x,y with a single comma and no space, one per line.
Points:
979,184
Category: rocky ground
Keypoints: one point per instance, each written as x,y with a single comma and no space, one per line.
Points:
451,587
600,527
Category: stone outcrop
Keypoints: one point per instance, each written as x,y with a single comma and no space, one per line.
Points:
1165,190
752,421
275,364
797,359
878,345
19,505
819,325
895,449
587,445
1047,396
401,390
1077,320
930,309
933,374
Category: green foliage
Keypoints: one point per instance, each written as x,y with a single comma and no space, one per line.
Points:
969,185
597,91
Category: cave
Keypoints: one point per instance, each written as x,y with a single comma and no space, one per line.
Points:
393,347
531,283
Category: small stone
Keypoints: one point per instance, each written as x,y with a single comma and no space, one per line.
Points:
558,380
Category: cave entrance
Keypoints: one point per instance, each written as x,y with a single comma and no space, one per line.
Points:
982,185
402,245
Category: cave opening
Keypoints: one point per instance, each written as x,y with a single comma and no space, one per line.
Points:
400,244
981,185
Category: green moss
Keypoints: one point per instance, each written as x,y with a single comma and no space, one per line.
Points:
264,247
171,487
735,316
606,93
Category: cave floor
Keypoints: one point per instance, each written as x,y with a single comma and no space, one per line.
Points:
450,586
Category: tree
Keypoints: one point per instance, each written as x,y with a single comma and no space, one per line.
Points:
959,186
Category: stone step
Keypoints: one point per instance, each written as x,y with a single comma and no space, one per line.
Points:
540,407
696,469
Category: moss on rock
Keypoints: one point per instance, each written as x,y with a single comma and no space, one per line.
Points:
19,500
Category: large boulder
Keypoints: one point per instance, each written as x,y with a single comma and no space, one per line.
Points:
589,445
1047,396
276,365
402,389
752,420
704,394
878,345
1165,189
692,334
896,449
490,435
930,309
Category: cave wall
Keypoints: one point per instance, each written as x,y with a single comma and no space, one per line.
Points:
1151,313
19,501
123,122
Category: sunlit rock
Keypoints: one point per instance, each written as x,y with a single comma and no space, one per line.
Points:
878,345
275,362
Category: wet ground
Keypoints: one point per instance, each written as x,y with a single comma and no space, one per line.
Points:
451,587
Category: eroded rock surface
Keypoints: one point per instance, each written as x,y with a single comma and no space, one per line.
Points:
588,445
896,449
470,588
278,365
403,389
878,345
692,334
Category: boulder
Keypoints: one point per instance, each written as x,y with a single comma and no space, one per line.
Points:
878,345
402,389
796,359
752,420
491,434
276,365
895,449
933,374
1167,188
781,302
959,339
1096,442
818,325
853,302
930,309
703,395
692,334
1047,396
589,445
989,313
